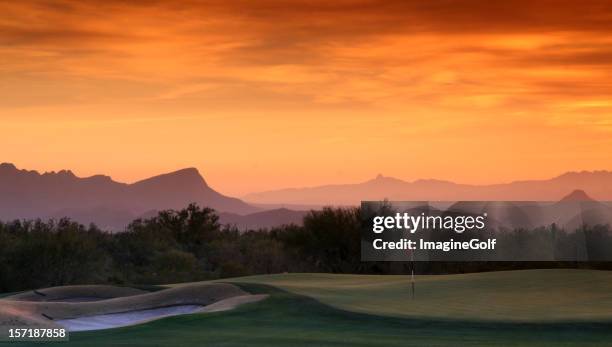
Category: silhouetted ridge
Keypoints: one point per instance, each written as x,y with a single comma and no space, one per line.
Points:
597,183
380,179
184,177
577,195
601,174
98,199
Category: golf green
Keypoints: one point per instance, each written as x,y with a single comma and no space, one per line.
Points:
519,296
306,313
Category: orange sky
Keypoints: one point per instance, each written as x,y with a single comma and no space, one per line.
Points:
269,94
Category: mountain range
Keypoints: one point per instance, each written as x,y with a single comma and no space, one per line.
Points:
571,212
26,194
598,184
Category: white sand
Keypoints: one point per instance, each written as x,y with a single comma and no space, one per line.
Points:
116,320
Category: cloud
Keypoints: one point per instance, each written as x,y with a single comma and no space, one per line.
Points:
482,54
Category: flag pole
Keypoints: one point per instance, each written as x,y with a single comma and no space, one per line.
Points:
412,272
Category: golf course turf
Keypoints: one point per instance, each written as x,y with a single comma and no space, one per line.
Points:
518,296
291,318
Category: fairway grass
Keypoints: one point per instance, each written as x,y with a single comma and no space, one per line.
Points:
287,319
508,296
307,313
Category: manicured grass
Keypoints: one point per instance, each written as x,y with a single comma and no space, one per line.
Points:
520,296
474,309
287,319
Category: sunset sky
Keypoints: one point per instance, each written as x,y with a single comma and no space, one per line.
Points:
267,94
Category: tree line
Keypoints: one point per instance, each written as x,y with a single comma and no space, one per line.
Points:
191,245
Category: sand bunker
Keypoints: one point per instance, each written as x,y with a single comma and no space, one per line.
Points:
115,320
63,310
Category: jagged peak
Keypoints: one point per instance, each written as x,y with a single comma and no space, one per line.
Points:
190,173
186,171
183,176
380,178
61,173
577,195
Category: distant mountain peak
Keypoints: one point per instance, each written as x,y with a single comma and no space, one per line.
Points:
380,179
29,194
577,195
597,183
583,173
190,171
11,168
188,174
189,177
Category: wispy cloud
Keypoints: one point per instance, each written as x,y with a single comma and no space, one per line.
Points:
306,85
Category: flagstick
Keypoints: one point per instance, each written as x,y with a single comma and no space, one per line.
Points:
412,272
413,284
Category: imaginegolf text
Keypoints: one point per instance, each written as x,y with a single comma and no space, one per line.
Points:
445,246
